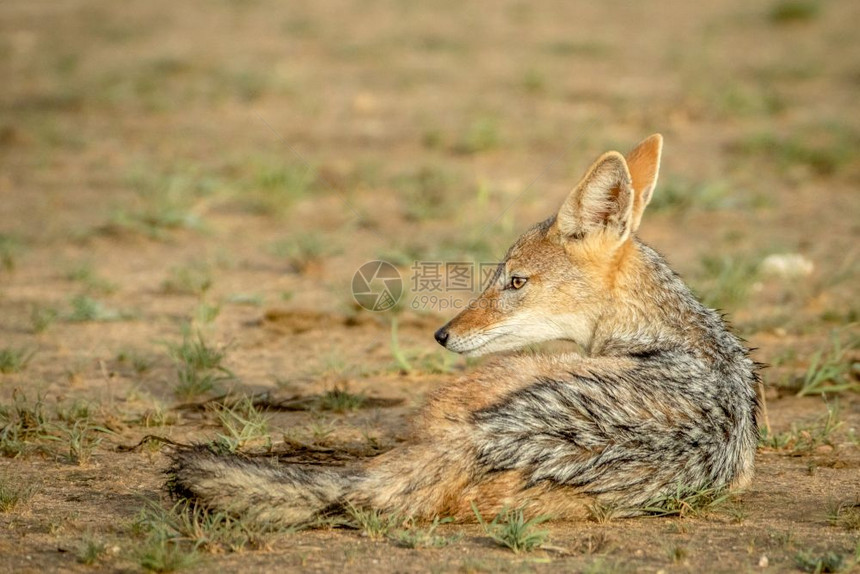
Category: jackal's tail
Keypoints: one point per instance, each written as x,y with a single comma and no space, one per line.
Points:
263,493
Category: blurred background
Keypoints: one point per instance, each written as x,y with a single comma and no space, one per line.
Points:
188,188
205,162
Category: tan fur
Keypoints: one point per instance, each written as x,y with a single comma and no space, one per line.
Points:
644,164
602,199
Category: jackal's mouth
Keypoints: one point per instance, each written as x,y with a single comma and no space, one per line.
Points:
473,345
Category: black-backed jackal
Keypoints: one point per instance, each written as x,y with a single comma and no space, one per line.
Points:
662,394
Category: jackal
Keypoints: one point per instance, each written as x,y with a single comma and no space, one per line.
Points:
661,395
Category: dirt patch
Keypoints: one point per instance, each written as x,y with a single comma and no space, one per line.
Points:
188,189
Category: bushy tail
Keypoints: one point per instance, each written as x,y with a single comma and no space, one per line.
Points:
265,494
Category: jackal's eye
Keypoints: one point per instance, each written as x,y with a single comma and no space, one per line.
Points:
518,282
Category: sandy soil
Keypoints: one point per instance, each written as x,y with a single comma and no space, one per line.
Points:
227,167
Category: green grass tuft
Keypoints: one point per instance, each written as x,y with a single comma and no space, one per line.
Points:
511,530
480,136
831,369
676,553
196,353
789,11
9,251
844,515
375,524
92,281
243,423
602,513
90,551
188,280
14,360
819,564
165,202
192,383
320,428
302,252
21,424
688,501
678,196
804,438
86,309
206,313
425,193
81,439
397,352
42,317
13,493
159,554
340,400
175,535
416,537
199,366
273,187
725,282
823,150
534,82
139,363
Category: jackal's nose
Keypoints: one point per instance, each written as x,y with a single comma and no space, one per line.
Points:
441,336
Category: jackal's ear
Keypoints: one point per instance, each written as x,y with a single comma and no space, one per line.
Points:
603,200
644,165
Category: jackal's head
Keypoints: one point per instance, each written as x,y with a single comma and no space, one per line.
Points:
558,279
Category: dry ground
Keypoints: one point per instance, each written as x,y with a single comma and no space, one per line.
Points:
226,166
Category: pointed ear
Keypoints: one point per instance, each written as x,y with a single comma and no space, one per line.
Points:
603,201
644,165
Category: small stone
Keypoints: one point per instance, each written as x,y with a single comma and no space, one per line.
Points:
786,265
763,561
